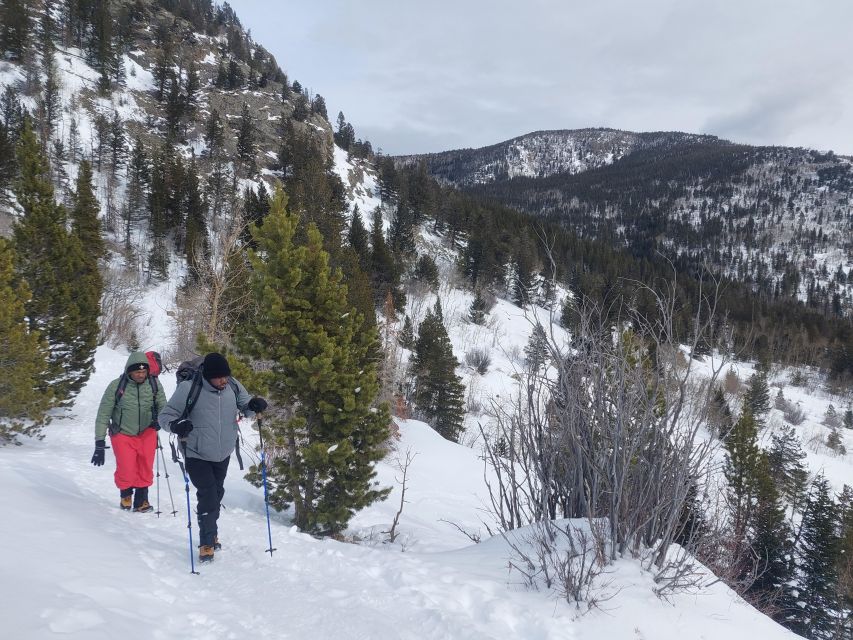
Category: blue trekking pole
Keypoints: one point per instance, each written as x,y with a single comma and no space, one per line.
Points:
264,475
175,457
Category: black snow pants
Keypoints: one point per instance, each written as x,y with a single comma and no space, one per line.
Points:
209,480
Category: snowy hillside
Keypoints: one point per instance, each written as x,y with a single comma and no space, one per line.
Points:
542,154
78,567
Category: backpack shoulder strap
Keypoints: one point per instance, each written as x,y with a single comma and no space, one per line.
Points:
122,385
192,396
152,380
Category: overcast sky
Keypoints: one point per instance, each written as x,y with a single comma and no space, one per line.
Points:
414,77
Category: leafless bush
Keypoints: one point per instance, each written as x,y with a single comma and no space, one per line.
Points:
403,466
479,359
732,383
792,412
121,312
613,437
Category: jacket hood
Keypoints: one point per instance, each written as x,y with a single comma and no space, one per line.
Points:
137,357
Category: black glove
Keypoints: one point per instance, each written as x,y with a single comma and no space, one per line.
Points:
258,405
155,426
98,456
181,428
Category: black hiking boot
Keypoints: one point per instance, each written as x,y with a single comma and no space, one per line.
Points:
126,502
205,553
216,544
140,501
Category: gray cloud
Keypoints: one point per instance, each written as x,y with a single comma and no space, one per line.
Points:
416,77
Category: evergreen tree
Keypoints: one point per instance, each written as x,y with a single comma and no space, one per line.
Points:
848,418
786,458
246,138
536,351
439,393
771,547
477,311
383,268
194,210
831,418
318,106
84,215
15,27
322,373
817,565
53,264
25,395
137,190
357,237
426,271
757,398
300,108
741,472
406,339
719,414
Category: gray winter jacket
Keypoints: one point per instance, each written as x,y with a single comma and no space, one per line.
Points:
214,418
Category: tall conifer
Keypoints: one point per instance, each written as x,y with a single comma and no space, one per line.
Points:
439,394
53,264
323,378
24,392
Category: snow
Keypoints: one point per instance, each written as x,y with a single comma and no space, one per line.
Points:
84,569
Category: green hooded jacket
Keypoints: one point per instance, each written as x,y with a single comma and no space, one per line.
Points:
132,413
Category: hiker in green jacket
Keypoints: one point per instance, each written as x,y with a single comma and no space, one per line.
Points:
128,410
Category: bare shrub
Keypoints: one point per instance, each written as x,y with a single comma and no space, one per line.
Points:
732,383
620,395
792,412
479,359
121,312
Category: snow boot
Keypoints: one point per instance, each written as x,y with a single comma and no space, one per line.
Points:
205,553
126,502
140,501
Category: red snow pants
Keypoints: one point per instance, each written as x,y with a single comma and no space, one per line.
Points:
134,459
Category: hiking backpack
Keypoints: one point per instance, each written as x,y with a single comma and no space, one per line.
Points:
193,370
155,367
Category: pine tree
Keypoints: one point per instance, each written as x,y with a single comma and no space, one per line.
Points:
246,138
406,339
536,351
25,395
426,271
383,268
357,237
786,458
439,393
15,27
741,472
757,398
848,418
322,373
719,414
831,418
771,546
84,215
817,565
477,311
53,264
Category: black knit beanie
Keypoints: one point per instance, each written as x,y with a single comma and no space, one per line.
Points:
215,366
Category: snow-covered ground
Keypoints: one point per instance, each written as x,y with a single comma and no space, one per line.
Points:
77,567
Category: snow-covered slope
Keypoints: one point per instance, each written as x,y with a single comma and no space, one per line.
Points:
76,566
544,153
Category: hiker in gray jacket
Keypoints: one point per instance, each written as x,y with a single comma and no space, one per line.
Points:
208,433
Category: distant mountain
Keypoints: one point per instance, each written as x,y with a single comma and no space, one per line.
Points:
777,218
545,153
